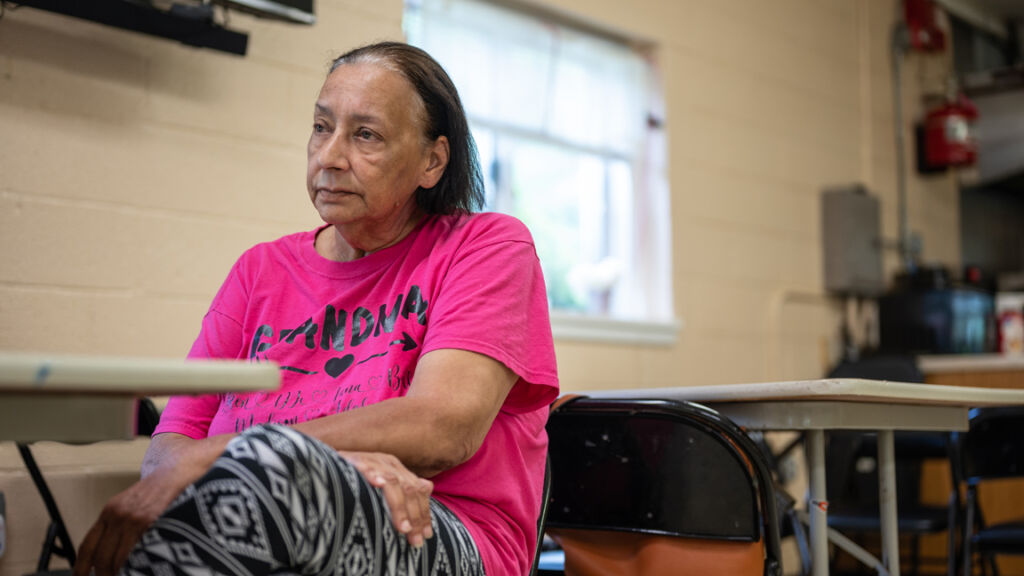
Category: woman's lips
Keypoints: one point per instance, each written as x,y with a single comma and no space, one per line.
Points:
334,193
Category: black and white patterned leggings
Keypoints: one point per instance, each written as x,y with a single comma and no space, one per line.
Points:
279,502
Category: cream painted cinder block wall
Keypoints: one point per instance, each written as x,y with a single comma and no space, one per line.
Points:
133,171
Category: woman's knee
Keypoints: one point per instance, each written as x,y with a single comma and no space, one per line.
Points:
283,453
273,442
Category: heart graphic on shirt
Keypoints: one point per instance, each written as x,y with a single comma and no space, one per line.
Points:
336,366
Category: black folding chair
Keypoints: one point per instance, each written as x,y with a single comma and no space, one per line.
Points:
655,486
852,472
852,477
993,448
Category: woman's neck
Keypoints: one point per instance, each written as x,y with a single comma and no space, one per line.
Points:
333,244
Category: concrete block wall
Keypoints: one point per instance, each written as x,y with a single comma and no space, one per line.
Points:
134,171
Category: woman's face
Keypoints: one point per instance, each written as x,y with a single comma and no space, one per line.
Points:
367,153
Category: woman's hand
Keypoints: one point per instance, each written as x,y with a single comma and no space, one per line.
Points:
127,515
122,522
407,495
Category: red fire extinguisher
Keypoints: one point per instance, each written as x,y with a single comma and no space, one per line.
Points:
922,27
947,135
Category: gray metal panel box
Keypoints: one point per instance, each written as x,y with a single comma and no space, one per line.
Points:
851,229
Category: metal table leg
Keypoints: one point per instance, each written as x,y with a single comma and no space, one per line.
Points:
818,504
887,502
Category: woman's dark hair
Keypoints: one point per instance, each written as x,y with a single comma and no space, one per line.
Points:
461,187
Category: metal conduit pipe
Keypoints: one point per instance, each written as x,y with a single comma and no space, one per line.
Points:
900,45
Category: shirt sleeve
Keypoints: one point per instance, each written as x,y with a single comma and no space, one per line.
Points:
219,337
493,302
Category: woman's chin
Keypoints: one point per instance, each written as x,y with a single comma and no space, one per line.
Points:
335,215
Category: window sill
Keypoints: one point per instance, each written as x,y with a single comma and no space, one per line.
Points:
565,326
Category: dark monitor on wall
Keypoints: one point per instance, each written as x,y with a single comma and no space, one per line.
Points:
191,22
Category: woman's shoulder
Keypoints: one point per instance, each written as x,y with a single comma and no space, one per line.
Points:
280,251
288,243
485,227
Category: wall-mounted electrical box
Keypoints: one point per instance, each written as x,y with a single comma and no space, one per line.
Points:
851,231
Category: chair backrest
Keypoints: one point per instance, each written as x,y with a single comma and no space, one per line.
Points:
146,418
647,486
993,447
893,367
852,468
850,483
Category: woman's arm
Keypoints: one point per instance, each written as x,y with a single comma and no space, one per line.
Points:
440,423
164,449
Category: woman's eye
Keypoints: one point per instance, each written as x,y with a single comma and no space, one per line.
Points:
319,128
365,134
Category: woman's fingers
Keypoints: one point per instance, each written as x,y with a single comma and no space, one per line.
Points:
101,548
407,495
106,546
417,504
426,488
413,513
103,560
124,549
404,501
87,549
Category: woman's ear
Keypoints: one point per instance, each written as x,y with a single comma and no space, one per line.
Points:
438,161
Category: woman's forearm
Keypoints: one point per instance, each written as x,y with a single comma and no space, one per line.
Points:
398,427
419,435
441,422
179,451
426,440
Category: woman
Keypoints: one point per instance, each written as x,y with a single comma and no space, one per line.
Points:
414,343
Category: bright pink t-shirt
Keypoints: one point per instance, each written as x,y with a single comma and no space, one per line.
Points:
349,334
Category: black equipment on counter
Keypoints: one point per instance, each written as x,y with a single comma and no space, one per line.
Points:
927,313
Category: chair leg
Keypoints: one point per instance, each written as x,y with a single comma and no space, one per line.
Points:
968,530
952,551
915,554
803,546
57,539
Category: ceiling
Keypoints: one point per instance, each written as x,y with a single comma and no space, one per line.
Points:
989,15
1003,9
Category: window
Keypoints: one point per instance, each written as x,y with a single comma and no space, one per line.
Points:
568,126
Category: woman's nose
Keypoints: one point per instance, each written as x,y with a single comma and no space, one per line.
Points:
334,153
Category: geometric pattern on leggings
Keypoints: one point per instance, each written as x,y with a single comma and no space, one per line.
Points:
279,502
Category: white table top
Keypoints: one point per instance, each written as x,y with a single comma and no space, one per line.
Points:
836,404
90,398
837,389
46,373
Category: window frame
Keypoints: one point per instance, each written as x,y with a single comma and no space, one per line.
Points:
653,322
